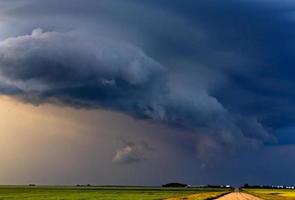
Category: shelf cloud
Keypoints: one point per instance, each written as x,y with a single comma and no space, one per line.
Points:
61,68
218,74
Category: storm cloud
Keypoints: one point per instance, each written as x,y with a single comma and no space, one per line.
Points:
56,67
218,72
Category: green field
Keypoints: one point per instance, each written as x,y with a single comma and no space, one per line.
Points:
272,194
104,193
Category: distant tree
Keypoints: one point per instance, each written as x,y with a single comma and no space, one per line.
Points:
175,185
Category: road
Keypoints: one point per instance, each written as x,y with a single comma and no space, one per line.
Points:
238,196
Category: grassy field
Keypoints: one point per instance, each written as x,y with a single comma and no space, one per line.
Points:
200,196
105,193
272,194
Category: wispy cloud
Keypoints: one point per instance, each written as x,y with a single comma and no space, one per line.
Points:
131,152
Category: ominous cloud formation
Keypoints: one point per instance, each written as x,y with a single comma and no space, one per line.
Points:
219,72
63,68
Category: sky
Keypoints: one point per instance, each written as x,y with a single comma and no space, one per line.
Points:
145,92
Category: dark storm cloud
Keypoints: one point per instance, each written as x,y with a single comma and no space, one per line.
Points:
219,68
59,65
61,68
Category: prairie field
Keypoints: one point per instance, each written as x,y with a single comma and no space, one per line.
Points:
273,194
106,193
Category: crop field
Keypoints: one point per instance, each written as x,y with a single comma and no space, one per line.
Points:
272,194
106,193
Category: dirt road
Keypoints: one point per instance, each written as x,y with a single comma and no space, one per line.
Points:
238,196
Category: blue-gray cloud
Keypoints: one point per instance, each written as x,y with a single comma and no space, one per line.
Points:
63,68
223,69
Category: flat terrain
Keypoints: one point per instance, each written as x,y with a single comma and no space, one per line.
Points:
272,194
105,193
200,196
238,196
